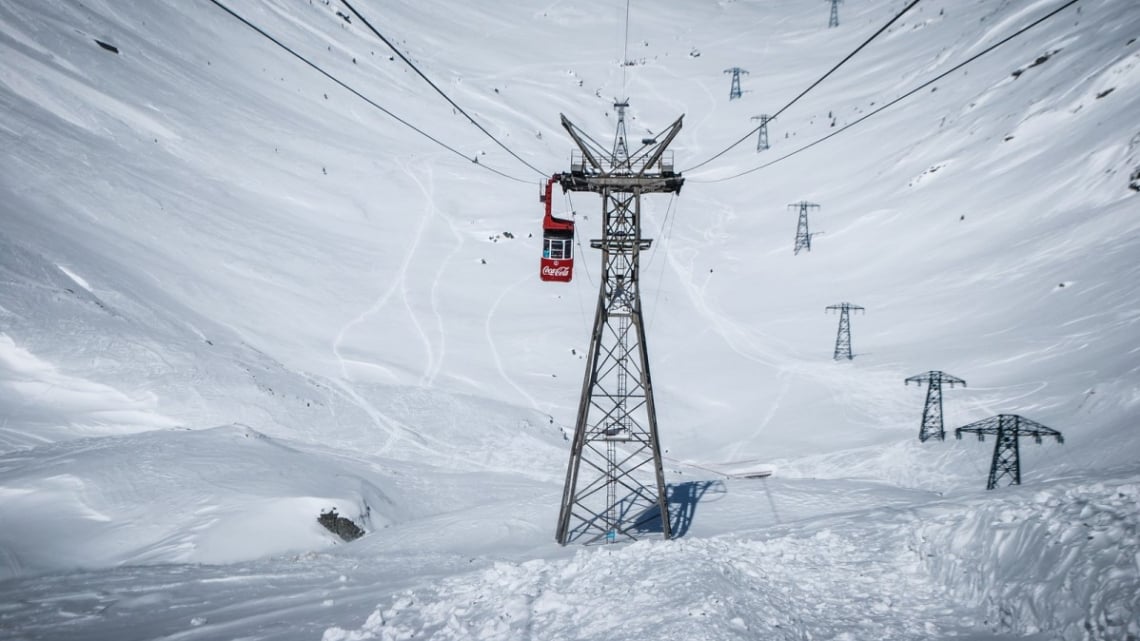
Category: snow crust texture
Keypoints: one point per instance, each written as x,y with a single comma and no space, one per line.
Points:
1061,560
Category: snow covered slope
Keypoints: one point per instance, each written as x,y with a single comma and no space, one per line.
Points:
235,294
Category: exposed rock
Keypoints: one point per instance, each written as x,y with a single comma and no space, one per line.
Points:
340,526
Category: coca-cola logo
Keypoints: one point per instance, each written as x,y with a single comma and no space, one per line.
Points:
555,271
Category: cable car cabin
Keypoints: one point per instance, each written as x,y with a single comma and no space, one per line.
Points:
557,243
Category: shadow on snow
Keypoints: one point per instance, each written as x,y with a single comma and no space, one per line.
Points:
682,499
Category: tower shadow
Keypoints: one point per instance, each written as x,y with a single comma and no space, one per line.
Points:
682,499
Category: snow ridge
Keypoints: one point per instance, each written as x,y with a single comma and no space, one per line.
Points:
1062,560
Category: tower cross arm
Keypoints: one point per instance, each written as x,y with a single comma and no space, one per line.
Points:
653,153
845,307
981,428
1026,427
803,205
1010,423
580,140
935,376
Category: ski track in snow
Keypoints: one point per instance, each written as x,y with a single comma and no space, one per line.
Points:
487,331
430,212
399,283
739,339
433,212
785,385
388,425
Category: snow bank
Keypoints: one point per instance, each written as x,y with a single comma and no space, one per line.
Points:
213,496
1064,560
830,582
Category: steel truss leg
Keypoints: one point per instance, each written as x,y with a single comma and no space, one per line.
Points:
615,481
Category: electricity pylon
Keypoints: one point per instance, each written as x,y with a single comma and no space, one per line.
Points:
762,137
932,411
843,338
1008,428
803,236
615,483
833,21
734,91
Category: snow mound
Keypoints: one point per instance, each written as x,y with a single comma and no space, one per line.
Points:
220,495
1063,560
803,584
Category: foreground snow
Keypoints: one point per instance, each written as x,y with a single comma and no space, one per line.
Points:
806,559
232,296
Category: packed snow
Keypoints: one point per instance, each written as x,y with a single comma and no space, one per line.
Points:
234,295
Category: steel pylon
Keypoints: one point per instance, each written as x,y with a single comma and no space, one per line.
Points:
615,484
932,410
1006,463
734,90
762,132
833,21
803,236
843,338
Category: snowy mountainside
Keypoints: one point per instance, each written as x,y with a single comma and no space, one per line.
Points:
233,294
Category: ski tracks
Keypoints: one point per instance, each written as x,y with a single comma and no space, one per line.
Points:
398,285
740,340
432,211
495,351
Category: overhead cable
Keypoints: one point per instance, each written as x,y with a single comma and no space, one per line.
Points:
363,97
437,89
625,49
906,95
813,85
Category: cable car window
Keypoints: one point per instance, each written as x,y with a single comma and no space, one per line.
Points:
557,248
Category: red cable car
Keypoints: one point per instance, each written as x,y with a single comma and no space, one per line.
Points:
557,242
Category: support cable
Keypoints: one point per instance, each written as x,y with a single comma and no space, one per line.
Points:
663,231
625,50
581,253
813,85
906,95
666,230
578,240
437,89
362,96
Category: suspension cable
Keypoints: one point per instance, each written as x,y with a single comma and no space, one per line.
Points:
362,96
625,49
578,239
437,89
813,85
906,95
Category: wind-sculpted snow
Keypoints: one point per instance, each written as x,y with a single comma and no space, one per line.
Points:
838,581
208,496
1063,560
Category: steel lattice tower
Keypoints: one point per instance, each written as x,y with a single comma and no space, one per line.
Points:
615,483
803,236
1008,428
734,90
833,21
762,132
932,411
843,338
